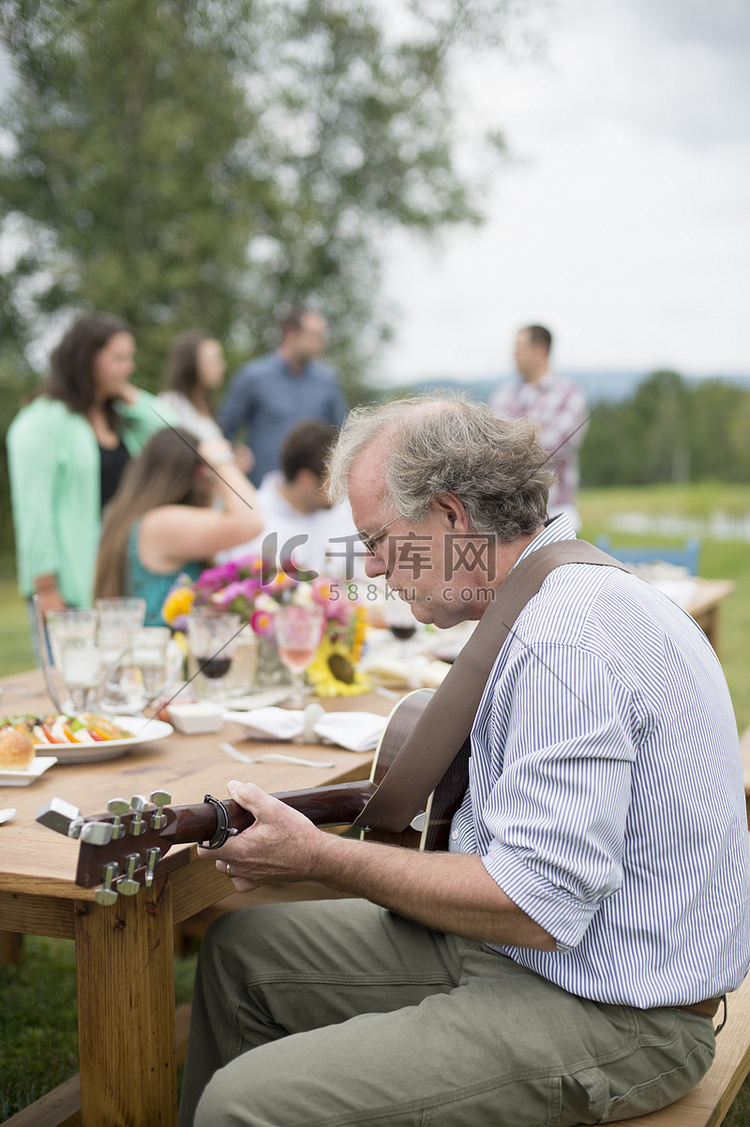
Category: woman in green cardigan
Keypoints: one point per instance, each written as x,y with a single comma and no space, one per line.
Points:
66,452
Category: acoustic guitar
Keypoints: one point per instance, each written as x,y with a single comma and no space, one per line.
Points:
119,850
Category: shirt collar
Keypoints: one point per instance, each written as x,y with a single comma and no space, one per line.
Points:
559,528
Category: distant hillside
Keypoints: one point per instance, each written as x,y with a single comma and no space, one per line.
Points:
603,386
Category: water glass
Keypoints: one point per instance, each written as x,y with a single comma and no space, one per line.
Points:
146,663
118,618
70,622
72,635
243,674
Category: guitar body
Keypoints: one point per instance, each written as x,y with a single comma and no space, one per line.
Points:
430,830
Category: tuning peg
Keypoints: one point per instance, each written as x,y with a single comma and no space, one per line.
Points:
160,798
61,816
107,895
138,825
152,856
118,807
127,885
96,833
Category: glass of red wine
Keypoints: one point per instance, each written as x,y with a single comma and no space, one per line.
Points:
213,641
298,631
401,622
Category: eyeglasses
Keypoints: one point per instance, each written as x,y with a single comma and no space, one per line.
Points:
370,539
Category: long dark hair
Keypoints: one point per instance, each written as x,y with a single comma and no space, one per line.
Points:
181,373
164,473
71,371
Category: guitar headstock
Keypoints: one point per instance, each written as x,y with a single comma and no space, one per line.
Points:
119,849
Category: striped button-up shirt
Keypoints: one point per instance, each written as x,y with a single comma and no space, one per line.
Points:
606,794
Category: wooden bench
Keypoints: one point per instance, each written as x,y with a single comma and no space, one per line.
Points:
710,1101
705,1106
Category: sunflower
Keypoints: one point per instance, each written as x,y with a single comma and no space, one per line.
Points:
334,658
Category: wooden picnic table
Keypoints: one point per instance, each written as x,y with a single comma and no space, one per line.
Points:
125,953
705,604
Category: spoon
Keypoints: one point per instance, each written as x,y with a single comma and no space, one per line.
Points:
6,815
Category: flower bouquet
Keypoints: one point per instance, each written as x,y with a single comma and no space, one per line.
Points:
255,588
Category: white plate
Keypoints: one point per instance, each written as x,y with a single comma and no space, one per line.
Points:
144,731
37,767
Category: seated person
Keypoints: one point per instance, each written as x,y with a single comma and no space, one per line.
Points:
561,961
162,520
299,519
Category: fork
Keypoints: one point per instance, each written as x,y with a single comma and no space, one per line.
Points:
270,757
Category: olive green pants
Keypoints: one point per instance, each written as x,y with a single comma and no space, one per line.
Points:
357,1016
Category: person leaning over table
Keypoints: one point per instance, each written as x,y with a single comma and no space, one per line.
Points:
179,503
67,450
561,963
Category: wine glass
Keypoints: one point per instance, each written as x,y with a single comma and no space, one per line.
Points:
298,630
401,622
213,640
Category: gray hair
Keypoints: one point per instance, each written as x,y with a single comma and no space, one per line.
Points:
449,443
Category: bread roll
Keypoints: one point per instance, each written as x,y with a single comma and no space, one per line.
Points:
16,750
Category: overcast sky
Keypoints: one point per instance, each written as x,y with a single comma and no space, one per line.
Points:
624,225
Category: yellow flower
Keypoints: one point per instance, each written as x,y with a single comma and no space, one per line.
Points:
360,633
177,602
324,681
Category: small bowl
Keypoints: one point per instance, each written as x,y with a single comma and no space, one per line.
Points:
193,719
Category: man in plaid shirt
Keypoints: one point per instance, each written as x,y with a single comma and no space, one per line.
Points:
557,404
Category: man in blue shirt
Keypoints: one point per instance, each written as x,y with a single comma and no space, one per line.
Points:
562,960
270,395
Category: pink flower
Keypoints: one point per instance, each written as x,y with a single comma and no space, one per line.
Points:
214,578
261,622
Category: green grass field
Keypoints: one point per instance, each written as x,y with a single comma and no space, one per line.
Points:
37,999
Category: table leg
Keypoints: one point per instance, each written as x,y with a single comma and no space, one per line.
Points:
126,1027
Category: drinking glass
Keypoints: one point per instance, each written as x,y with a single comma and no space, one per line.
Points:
401,623
242,677
118,618
298,630
72,635
213,641
147,663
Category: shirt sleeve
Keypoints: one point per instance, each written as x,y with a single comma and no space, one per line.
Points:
564,425
33,469
557,813
143,418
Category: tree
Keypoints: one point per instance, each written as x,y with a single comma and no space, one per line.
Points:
202,162
670,430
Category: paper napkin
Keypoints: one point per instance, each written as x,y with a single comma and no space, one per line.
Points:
356,731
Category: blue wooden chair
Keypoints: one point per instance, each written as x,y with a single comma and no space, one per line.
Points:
687,556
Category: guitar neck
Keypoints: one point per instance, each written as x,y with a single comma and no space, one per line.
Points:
334,805
325,806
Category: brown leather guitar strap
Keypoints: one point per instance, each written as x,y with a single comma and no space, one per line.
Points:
446,722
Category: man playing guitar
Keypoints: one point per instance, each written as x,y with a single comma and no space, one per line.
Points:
560,962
